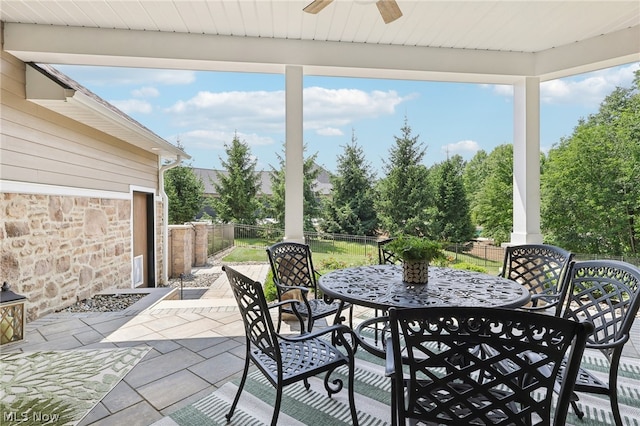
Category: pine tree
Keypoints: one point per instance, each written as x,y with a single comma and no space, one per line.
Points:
238,186
350,209
404,196
311,206
453,218
185,192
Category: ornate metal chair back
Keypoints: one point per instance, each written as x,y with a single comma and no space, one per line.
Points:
385,256
258,326
605,293
459,365
292,265
539,267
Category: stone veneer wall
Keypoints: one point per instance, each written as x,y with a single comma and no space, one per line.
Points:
60,249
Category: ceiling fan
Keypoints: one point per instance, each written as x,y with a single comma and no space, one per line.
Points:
389,9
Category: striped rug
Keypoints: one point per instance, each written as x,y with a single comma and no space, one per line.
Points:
312,407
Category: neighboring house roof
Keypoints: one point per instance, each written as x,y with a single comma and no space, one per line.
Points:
210,178
54,90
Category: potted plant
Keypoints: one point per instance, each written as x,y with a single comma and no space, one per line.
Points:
416,254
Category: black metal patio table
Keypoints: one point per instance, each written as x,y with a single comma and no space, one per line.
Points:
381,287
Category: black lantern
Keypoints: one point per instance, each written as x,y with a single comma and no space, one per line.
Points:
12,318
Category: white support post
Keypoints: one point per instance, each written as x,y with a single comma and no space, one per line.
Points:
294,158
526,162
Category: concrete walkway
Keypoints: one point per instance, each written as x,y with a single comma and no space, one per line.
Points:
197,346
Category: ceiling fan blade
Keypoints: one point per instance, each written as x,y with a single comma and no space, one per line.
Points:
316,6
389,10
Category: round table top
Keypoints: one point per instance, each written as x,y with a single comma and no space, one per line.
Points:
381,287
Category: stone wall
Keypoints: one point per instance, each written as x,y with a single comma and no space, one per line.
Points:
60,249
188,246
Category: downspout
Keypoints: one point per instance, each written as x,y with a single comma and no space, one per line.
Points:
165,219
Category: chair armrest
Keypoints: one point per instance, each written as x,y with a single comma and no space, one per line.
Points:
303,290
390,366
320,332
618,342
294,308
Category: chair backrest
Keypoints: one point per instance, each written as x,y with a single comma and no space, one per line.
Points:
385,256
258,326
539,267
475,365
292,265
604,292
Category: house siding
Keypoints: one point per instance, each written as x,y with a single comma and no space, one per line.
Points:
65,202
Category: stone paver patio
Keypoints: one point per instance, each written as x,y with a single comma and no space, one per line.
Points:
197,346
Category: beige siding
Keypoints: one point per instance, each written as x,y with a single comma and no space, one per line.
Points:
40,146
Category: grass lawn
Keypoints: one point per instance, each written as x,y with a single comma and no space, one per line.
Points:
337,255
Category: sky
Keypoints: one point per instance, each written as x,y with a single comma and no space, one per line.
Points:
204,110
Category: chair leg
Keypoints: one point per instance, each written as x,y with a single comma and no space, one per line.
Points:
242,381
279,320
276,408
577,410
352,400
394,411
613,386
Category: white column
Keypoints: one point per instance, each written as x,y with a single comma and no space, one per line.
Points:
294,172
526,162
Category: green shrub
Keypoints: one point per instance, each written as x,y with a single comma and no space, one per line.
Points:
469,267
269,288
331,263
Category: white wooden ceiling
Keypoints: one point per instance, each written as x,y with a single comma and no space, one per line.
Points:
483,37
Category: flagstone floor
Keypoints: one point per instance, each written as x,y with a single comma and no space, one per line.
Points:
197,346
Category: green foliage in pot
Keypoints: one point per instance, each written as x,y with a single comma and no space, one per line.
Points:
411,248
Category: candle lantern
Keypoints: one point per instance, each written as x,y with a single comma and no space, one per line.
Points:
12,318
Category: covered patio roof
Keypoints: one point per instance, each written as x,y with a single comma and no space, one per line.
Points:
516,42
473,41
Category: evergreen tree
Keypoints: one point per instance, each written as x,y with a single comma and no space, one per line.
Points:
452,220
350,209
185,192
238,186
311,205
404,197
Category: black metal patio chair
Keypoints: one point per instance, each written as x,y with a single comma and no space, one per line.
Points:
386,256
288,359
540,268
440,377
604,292
293,274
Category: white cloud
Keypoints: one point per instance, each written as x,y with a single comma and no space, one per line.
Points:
325,110
329,131
132,106
461,147
587,89
146,92
216,139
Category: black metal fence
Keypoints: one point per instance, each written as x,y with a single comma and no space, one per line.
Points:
224,236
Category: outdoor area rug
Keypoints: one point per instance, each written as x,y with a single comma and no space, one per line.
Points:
373,390
60,387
